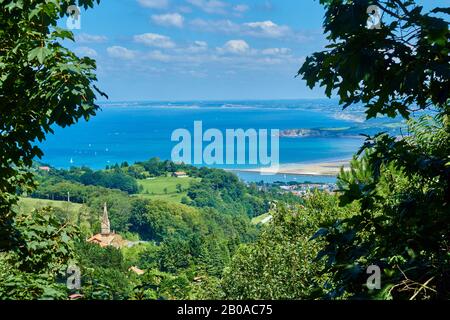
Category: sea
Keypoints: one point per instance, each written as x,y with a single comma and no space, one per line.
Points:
139,130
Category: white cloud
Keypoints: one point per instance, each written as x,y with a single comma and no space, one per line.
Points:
268,55
225,26
86,51
210,6
241,8
235,47
155,40
264,29
169,20
158,56
121,53
196,47
276,51
267,29
201,44
90,38
154,4
197,58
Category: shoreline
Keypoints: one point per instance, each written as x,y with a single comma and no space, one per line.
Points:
324,168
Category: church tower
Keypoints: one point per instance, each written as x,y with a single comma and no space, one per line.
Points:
105,225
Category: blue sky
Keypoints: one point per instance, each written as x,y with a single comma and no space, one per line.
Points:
201,49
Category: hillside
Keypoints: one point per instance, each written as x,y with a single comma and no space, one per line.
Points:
166,188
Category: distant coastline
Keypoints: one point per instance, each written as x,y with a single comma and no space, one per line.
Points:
136,131
317,133
327,168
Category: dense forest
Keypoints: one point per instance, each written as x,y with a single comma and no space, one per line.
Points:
196,237
183,245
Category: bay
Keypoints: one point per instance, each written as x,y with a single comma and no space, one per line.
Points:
137,131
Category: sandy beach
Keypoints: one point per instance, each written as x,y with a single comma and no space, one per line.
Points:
330,168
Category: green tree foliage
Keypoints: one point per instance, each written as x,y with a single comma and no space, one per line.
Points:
92,255
184,243
156,168
281,264
36,269
94,197
188,237
106,284
401,183
403,226
157,285
63,190
159,220
104,272
225,192
174,255
42,84
148,258
209,288
214,256
392,70
119,208
111,180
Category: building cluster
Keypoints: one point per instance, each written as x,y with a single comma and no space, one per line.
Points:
304,188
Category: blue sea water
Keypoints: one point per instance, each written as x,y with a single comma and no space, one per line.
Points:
136,131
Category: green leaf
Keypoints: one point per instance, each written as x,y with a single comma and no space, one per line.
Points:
39,53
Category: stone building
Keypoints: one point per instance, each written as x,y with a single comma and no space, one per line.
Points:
107,238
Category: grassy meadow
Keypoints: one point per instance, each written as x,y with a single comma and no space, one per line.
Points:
167,188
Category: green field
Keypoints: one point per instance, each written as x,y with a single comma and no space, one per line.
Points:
165,188
29,204
73,210
259,219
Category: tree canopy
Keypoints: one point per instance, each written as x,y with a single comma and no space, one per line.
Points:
401,67
401,182
42,85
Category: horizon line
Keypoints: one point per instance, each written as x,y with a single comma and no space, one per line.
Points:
213,100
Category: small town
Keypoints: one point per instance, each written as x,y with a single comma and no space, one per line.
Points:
302,189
